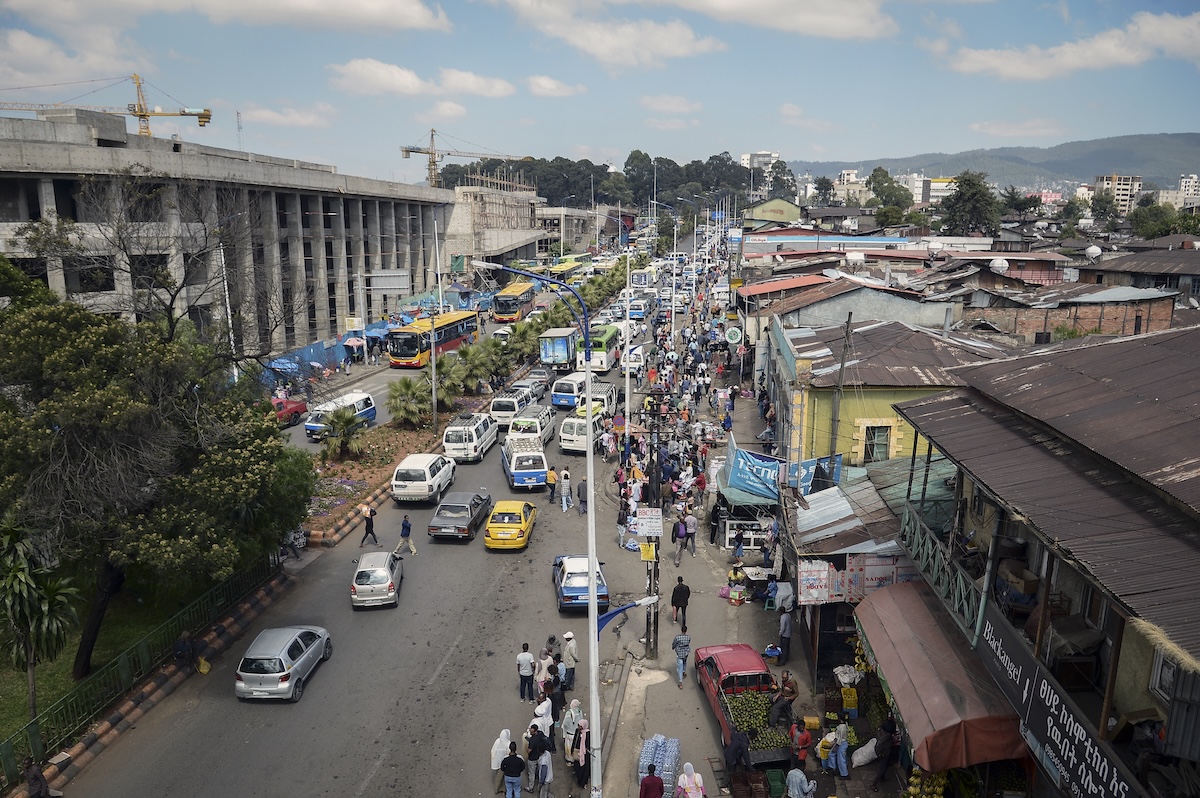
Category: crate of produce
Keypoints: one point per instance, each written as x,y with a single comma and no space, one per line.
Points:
849,698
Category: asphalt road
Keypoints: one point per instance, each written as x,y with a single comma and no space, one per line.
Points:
412,698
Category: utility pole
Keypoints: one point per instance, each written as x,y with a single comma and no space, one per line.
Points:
837,395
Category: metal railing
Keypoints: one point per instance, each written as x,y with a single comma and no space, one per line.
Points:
66,717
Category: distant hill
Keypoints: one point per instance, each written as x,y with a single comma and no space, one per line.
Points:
1159,158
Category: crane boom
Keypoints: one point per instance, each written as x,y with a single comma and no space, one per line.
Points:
436,155
138,109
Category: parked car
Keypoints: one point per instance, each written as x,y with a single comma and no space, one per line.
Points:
279,662
460,515
510,525
289,412
535,387
725,670
377,578
571,583
422,477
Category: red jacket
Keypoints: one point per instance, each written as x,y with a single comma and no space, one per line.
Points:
652,787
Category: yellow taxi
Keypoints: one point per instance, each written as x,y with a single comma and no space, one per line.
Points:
510,525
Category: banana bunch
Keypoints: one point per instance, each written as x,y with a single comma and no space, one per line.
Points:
860,657
926,785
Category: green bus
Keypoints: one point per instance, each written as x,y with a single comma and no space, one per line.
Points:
606,347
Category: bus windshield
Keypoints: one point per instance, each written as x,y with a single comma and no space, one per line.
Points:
507,304
406,344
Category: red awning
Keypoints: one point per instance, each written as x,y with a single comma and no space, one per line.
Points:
955,714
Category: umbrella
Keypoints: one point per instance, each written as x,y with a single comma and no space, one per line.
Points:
354,343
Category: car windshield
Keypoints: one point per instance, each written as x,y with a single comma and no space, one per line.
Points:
527,462
261,665
506,518
523,425
405,344
454,511
375,576
409,475
564,386
503,406
456,436
315,417
580,580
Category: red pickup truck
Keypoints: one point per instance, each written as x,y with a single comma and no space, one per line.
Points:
726,671
289,411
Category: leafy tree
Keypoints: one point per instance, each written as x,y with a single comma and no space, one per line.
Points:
614,189
1072,210
1104,206
823,191
522,342
889,216
889,192
345,435
971,208
37,607
476,368
409,402
497,358
1146,200
1152,221
639,175
916,219
451,380
783,182
1014,200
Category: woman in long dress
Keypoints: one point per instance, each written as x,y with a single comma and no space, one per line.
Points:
499,751
581,754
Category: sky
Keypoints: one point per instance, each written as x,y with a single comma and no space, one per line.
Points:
350,82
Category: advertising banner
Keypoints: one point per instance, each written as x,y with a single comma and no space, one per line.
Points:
754,473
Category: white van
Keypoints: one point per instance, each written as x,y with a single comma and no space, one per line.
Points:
316,425
422,477
635,359
469,436
501,334
506,404
567,392
572,435
535,421
524,462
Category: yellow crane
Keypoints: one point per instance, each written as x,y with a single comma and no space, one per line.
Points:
139,109
436,155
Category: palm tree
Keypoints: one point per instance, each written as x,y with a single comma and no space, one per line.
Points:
408,401
344,435
476,368
497,358
522,343
36,606
451,380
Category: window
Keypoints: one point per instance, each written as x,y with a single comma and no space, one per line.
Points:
1162,676
875,444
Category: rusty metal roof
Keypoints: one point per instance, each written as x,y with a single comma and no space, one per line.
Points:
1059,294
1132,541
1133,401
1154,261
780,284
890,354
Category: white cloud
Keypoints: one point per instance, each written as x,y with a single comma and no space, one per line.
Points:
362,15
442,111
670,104
672,123
319,115
827,19
29,60
1019,128
546,86
1147,36
792,114
369,76
619,44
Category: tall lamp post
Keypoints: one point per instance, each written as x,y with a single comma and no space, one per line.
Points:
593,562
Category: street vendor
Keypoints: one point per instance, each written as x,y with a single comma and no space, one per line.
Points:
736,577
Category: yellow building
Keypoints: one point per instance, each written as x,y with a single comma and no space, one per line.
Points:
885,363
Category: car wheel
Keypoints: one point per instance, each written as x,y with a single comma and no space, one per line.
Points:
328,651
297,691
294,420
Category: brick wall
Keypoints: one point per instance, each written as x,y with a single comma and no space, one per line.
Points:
1117,318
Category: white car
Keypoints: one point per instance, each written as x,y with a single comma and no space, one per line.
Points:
422,477
279,662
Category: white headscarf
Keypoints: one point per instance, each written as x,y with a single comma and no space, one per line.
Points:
690,781
500,748
542,717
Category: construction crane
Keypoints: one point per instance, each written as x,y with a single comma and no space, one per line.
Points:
139,109
436,155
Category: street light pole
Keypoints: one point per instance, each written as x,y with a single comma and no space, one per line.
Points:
437,279
593,561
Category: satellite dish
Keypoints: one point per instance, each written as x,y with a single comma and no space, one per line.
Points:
847,224
855,258
999,265
1092,252
934,247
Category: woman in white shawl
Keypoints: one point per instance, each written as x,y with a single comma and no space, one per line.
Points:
690,784
499,751
570,722
544,720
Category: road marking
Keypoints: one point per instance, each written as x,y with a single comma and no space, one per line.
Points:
384,754
450,651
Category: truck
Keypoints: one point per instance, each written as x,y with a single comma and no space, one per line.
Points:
556,348
728,672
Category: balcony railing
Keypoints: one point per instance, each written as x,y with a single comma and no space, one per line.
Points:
950,580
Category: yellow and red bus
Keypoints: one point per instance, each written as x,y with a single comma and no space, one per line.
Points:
514,303
409,346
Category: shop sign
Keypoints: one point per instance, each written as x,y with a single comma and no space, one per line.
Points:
649,522
754,473
1056,731
801,474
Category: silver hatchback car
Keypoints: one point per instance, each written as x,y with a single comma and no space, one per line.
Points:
279,662
377,578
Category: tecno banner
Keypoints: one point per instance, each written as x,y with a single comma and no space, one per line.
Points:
754,473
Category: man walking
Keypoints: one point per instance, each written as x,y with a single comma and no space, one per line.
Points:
581,491
785,636
679,600
652,786
570,658
525,672
690,524
552,482
682,644
369,513
565,493
512,766
406,536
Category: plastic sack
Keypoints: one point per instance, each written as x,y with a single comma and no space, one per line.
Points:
864,755
203,665
723,592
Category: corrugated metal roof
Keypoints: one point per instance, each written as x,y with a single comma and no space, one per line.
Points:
1052,296
780,284
1135,544
891,354
850,518
1155,261
1133,401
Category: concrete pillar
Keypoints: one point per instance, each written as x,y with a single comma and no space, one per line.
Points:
272,272
356,263
389,256
337,208
245,282
372,259
315,221
301,294
55,275
175,265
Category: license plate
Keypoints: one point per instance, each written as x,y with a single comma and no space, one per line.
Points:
401,486
258,693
